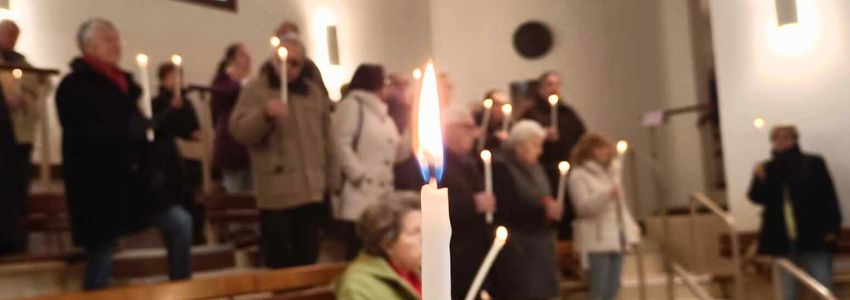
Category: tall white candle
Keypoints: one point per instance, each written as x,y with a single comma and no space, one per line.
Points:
563,169
18,74
282,54
178,69
485,122
553,112
146,104
487,158
436,228
507,109
498,243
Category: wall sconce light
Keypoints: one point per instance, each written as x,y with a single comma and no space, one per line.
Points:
333,46
786,12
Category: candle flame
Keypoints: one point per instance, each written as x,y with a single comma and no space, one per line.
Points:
507,109
282,53
759,123
142,59
17,73
501,234
417,74
486,156
488,103
622,147
553,99
428,141
176,60
564,167
274,41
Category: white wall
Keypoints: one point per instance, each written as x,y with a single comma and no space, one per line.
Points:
395,33
810,89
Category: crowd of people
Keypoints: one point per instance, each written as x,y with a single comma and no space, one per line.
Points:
306,157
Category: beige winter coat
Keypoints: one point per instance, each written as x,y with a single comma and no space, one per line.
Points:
596,225
292,157
378,149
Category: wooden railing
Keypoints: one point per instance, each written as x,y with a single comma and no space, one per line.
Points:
782,264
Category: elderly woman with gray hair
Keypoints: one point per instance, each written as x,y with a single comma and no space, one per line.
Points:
526,267
388,266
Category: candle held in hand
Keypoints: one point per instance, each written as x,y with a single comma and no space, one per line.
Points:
417,74
283,54
507,109
498,243
485,122
487,158
622,147
563,169
146,104
275,42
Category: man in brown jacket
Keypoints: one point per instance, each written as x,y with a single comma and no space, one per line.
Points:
290,145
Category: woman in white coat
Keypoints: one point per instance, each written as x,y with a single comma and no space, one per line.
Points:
368,145
604,229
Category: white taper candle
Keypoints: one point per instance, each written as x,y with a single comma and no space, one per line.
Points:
498,243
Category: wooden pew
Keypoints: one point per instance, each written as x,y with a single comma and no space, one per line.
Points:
299,283
224,209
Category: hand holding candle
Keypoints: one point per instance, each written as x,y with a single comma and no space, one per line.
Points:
506,122
282,54
147,105
485,122
498,243
563,169
487,158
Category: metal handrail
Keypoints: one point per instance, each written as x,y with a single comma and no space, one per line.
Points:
700,199
812,284
688,279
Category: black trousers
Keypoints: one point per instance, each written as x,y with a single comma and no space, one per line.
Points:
290,237
15,177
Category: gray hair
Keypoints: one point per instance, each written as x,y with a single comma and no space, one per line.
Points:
524,131
87,28
381,224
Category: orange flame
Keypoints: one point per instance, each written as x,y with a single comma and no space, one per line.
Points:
428,134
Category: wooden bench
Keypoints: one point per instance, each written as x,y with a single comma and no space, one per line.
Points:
299,283
225,209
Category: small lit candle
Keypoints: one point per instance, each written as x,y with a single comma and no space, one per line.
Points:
485,122
147,106
563,169
282,54
18,74
487,158
759,123
178,63
498,243
417,73
274,41
553,112
506,122
622,147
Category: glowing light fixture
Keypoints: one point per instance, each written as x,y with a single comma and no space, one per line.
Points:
786,12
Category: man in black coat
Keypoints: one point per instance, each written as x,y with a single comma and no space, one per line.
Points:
468,204
559,142
801,216
107,159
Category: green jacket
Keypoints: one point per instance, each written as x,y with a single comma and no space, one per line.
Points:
372,278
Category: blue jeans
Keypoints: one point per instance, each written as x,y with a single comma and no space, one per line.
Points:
174,223
816,264
605,272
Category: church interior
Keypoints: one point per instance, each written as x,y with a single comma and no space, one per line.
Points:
551,149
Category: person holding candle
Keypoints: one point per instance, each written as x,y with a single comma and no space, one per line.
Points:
388,268
107,159
291,148
21,109
604,227
560,137
526,268
492,134
469,204
173,118
368,145
310,71
229,157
